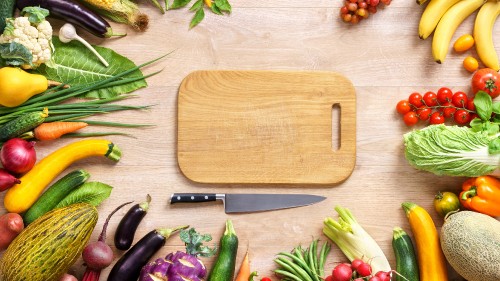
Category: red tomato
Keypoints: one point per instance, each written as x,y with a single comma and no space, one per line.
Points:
415,99
459,99
430,99
448,110
436,118
488,80
444,95
424,113
403,107
462,116
410,118
470,105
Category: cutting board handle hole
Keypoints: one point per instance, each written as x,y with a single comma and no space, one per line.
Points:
336,127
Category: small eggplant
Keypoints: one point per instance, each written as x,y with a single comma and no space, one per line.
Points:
125,232
75,13
128,267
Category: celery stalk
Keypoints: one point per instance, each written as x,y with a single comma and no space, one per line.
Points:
354,241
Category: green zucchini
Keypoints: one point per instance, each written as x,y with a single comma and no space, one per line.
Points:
49,246
406,260
224,267
54,194
6,11
22,124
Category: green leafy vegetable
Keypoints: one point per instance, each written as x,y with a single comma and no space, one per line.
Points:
484,105
354,241
194,243
34,14
14,54
218,7
93,193
452,150
76,65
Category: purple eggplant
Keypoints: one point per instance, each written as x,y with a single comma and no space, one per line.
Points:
125,232
73,12
128,267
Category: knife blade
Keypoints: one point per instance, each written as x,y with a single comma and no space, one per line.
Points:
243,203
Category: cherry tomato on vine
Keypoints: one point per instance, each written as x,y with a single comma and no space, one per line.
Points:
436,118
445,202
403,107
459,99
448,109
415,99
470,105
444,95
461,116
410,118
488,80
424,113
430,99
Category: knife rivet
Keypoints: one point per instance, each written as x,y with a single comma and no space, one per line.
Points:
178,198
206,197
192,197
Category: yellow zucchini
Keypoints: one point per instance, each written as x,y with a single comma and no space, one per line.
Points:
22,196
431,260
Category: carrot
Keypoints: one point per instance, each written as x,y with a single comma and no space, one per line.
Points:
11,224
244,272
54,130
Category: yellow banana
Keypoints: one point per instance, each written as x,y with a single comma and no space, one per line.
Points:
431,16
483,34
448,25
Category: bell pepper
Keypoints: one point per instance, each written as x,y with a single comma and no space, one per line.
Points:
481,194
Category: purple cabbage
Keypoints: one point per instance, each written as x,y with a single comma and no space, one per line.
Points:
174,267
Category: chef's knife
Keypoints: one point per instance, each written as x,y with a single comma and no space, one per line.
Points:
242,203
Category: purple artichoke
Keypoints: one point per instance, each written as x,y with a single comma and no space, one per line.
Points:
174,267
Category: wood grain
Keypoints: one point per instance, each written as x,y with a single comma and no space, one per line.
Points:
382,56
265,127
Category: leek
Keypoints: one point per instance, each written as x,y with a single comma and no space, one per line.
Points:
354,241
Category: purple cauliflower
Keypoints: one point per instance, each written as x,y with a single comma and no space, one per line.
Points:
181,266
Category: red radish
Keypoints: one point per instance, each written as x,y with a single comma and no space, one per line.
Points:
7,180
375,278
98,255
364,270
11,224
342,272
18,155
384,276
329,278
356,263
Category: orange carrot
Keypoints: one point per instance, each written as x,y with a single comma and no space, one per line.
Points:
11,224
244,272
54,130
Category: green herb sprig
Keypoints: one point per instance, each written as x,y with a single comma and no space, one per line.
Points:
219,7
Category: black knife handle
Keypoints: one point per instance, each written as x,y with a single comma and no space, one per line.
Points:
192,197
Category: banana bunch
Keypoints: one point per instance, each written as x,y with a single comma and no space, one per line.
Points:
443,17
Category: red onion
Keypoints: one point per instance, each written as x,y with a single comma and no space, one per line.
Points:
18,155
7,180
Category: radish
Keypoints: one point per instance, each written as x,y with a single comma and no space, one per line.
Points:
384,276
364,270
342,272
355,263
375,278
98,255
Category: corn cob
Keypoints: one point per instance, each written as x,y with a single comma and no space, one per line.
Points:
121,11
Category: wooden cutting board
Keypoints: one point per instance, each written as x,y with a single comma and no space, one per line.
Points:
266,127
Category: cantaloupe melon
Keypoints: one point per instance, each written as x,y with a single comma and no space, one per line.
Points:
471,244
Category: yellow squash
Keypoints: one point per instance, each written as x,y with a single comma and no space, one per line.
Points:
431,260
21,196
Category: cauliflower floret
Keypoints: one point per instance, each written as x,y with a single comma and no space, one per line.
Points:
35,37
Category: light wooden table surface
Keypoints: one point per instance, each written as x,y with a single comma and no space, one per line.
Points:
382,56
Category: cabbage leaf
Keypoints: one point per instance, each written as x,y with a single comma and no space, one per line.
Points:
76,65
453,150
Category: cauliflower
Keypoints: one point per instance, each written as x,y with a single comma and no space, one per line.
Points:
32,31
